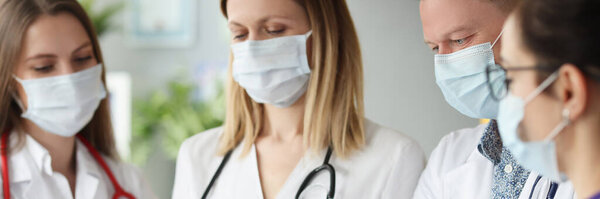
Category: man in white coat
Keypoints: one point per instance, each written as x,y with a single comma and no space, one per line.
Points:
472,163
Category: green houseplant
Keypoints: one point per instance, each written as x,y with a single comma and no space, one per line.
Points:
173,116
101,17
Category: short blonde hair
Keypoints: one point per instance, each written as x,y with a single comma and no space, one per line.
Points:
334,111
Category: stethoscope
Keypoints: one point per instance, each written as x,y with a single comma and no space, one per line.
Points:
325,166
551,191
119,191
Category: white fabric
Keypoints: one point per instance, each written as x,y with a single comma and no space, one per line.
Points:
32,177
64,104
388,167
273,71
456,169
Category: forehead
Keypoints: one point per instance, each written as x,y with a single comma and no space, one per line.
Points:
245,11
511,36
512,50
51,33
441,18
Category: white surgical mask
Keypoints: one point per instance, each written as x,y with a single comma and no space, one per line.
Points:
539,156
64,104
462,78
273,71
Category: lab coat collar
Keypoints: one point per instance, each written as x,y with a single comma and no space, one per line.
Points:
88,171
473,163
40,155
18,167
249,173
307,164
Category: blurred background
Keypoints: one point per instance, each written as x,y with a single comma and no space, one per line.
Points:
166,61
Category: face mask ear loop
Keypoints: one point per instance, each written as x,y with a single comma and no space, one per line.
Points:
542,87
308,34
497,38
16,97
564,123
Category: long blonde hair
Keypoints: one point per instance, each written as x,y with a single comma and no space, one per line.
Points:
15,18
334,99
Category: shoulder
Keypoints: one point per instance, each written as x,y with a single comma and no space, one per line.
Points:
380,138
196,162
459,145
392,149
202,146
453,152
390,160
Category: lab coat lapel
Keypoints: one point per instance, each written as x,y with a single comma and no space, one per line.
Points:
469,176
247,185
88,175
19,170
318,186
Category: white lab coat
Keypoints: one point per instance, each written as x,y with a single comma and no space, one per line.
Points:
32,177
387,167
456,169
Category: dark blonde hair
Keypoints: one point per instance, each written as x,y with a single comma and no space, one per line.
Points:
15,18
334,110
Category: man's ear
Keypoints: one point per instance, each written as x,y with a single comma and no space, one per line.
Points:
572,89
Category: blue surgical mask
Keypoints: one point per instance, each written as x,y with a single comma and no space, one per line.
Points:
539,156
462,78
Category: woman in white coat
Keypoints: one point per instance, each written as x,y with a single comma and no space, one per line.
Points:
295,104
56,133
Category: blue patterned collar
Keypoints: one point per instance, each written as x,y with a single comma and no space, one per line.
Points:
490,145
509,176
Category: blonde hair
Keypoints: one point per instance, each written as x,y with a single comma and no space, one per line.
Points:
15,18
334,110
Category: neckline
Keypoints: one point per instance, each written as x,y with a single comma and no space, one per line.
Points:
294,179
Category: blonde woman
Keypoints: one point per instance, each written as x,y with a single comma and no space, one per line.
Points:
56,138
295,126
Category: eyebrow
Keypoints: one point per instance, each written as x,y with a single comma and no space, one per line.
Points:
262,20
41,56
85,45
449,33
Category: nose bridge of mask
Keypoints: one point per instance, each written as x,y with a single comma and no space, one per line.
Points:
64,90
466,62
271,54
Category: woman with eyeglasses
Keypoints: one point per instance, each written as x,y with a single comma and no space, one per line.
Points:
549,115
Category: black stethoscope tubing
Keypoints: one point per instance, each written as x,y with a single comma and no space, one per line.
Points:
324,167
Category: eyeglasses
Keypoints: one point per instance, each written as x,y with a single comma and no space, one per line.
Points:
499,89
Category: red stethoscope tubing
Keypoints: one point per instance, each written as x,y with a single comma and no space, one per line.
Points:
119,192
3,149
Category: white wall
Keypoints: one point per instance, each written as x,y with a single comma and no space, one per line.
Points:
400,89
